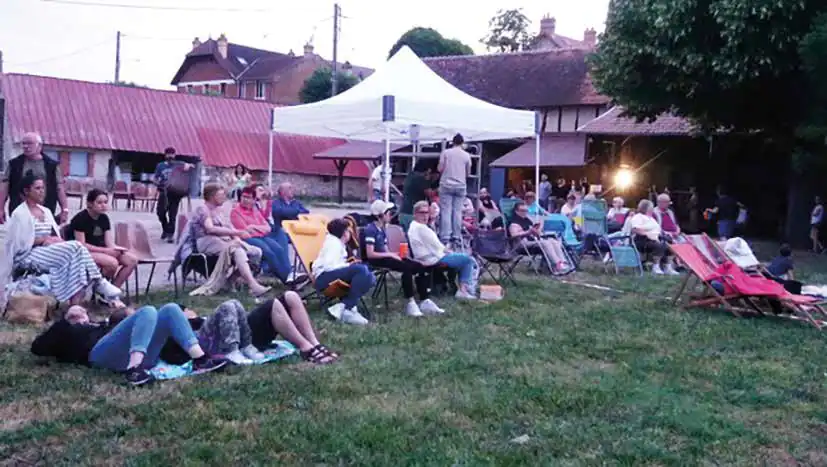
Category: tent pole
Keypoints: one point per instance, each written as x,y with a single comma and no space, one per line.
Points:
386,179
537,162
341,165
270,162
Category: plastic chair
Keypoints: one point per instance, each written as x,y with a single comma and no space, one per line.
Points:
142,248
321,218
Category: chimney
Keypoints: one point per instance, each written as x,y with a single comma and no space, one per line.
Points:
222,45
196,43
590,37
291,53
308,50
547,26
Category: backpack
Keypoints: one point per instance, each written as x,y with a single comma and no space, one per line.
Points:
178,183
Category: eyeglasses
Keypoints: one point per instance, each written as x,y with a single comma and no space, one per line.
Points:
423,211
522,210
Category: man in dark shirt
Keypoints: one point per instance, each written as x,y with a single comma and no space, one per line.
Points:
726,210
167,208
33,160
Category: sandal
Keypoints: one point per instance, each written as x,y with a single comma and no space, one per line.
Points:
318,355
328,351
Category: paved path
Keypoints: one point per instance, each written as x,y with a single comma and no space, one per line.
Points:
163,249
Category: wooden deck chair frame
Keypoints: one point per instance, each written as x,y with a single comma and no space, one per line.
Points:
702,270
307,239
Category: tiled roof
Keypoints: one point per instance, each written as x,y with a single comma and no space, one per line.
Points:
223,132
612,122
524,80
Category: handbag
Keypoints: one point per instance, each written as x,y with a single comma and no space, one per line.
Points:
178,183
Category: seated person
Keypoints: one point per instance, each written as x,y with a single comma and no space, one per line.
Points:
782,266
245,217
468,218
32,242
428,250
534,208
571,208
666,217
617,215
488,210
212,237
133,346
646,234
332,264
285,208
375,252
92,229
263,202
529,234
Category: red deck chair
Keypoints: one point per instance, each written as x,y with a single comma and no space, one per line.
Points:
701,269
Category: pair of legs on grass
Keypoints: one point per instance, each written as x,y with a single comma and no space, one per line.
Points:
212,245
464,265
119,267
360,279
413,273
134,345
231,332
552,248
275,254
71,270
661,257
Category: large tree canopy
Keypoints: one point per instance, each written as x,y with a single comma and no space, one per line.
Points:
318,86
732,64
508,31
428,42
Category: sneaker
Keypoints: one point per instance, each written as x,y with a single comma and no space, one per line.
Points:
656,270
428,307
297,281
107,289
138,377
460,295
607,258
206,364
336,310
670,270
412,310
252,353
352,316
237,358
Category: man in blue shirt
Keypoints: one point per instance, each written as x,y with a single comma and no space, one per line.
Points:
167,208
285,208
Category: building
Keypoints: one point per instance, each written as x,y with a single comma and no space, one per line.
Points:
219,67
92,127
548,39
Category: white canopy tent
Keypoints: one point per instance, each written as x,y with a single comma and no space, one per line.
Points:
405,101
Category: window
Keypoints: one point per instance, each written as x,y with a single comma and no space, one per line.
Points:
53,155
260,88
189,88
223,89
241,86
78,164
205,89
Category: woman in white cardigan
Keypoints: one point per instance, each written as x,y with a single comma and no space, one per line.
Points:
32,242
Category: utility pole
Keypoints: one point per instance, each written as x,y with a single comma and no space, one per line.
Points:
337,13
118,58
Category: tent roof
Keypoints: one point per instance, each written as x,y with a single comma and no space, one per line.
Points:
555,151
356,151
420,97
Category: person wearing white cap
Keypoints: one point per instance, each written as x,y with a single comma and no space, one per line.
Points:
374,245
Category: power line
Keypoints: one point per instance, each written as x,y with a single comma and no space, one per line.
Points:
155,7
70,54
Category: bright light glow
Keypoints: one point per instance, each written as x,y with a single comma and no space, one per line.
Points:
624,178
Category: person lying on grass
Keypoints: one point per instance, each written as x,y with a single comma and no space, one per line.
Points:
237,336
133,346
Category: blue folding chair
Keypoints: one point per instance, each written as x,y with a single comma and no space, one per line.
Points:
507,208
562,226
623,253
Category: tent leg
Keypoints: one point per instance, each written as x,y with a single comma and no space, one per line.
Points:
341,164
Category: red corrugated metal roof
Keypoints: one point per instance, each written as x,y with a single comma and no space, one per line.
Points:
223,132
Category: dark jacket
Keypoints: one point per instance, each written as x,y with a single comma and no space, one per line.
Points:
69,343
16,175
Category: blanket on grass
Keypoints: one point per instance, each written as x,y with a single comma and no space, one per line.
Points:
279,350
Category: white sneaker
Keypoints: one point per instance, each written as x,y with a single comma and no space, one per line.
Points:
252,353
107,289
337,310
237,358
460,295
352,316
656,270
428,307
607,258
670,270
412,309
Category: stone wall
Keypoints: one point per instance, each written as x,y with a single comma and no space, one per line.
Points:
306,186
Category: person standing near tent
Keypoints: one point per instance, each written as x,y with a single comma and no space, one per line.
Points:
455,167
169,196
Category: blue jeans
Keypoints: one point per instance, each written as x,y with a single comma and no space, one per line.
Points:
450,213
275,256
357,275
146,331
463,263
726,228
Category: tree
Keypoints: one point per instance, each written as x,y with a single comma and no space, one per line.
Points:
128,84
317,87
508,31
428,42
725,64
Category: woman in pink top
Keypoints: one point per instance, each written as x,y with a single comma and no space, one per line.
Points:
246,216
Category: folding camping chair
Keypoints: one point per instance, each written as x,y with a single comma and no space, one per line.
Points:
507,209
595,225
704,273
623,253
562,227
492,248
307,239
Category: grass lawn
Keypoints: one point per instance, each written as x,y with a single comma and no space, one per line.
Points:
584,377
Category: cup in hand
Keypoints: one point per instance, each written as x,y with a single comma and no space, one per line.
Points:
403,250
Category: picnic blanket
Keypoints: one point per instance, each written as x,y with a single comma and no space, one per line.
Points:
279,350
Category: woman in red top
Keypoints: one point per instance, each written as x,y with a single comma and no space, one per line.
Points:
246,216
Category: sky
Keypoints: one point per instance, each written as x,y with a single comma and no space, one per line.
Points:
73,39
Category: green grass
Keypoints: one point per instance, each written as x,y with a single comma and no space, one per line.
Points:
589,377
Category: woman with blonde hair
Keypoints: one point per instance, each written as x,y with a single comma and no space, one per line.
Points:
646,233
